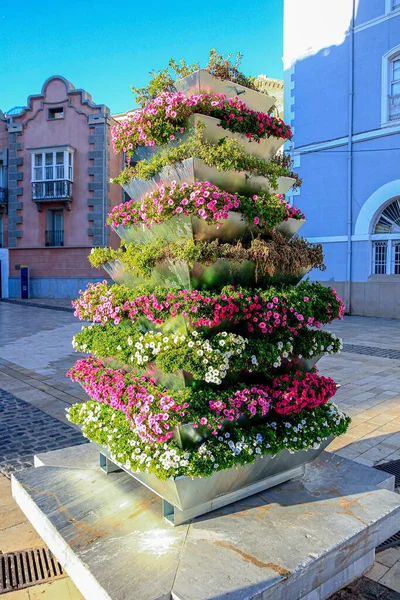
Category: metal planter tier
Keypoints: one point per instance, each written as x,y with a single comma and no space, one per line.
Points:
202,82
233,229
304,364
194,169
266,148
290,227
202,276
185,498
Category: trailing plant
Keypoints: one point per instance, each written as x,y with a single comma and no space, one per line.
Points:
254,310
269,256
309,429
228,155
205,201
166,117
285,162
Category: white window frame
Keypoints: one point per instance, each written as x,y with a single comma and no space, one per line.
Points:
387,69
68,163
390,6
391,241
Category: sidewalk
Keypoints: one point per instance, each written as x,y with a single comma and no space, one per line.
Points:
62,304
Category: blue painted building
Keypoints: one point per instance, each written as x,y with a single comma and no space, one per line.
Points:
342,98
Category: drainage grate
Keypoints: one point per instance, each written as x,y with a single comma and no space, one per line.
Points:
26,568
392,542
372,351
392,467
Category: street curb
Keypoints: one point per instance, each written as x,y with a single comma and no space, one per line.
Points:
37,305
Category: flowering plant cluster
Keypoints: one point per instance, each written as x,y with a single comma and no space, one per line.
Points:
205,201
163,119
203,358
260,311
109,428
310,343
155,412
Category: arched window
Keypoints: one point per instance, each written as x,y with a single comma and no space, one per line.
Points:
391,87
386,240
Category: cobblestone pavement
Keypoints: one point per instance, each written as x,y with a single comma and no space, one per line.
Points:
20,442
36,352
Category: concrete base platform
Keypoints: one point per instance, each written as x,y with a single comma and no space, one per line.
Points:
302,540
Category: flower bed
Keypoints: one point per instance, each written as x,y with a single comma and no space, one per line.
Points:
155,412
300,431
253,310
205,201
209,359
161,121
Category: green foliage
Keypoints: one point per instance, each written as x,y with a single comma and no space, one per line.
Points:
224,68
228,155
233,449
277,254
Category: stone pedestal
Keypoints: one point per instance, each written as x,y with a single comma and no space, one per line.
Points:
302,540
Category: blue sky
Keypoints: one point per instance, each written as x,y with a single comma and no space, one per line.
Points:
106,47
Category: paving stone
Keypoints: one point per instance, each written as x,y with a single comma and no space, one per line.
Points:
392,578
377,571
388,557
30,431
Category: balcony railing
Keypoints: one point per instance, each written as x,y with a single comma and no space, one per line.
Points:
55,237
3,195
394,107
51,190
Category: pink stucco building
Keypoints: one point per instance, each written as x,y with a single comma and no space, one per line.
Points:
55,165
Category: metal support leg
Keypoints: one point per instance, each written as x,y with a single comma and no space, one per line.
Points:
168,512
107,465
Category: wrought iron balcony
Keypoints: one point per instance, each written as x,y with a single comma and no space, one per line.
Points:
48,191
55,237
394,107
3,195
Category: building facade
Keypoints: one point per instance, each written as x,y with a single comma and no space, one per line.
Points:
55,165
342,99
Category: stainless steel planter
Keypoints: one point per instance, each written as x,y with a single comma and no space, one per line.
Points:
234,228
304,364
194,169
202,82
201,276
185,498
290,227
266,148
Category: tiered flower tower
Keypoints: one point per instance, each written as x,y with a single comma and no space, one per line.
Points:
202,377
